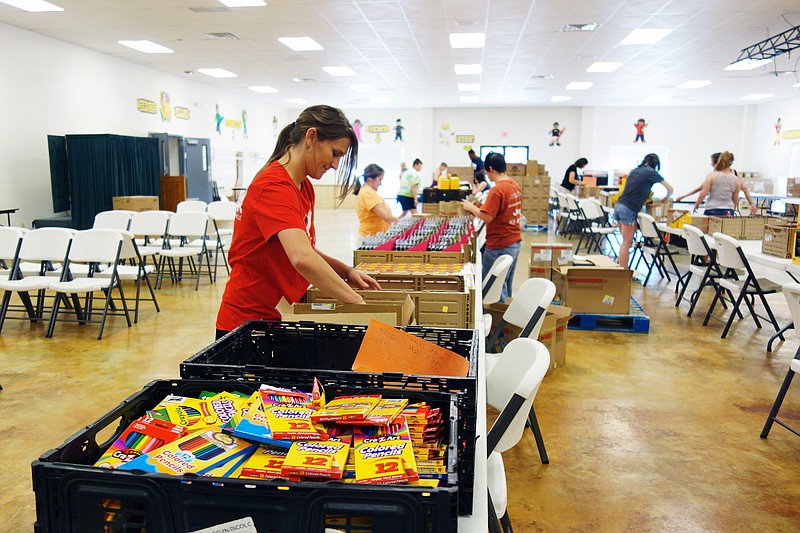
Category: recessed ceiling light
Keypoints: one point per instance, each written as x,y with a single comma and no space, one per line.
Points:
220,36
580,27
542,77
694,84
470,99
467,40
558,98
747,64
263,89
579,85
757,96
657,97
243,3
462,69
216,72
469,87
33,6
339,71
297,101
301,44
796,85
148,47
650,36
604,66
380,100
364,88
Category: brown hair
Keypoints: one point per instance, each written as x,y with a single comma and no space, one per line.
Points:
725,160
331,124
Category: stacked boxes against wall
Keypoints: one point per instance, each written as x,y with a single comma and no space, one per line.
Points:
535,183
547,256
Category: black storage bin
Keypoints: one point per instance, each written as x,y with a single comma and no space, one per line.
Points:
74,497
270,352
431,195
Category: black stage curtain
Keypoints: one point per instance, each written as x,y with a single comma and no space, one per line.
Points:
103,166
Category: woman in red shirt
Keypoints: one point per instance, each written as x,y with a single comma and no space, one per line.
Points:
273,253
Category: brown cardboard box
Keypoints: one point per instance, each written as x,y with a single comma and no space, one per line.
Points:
516,169
732,226
548,338
700,222
532,168
596,290
400,312
562,255
135,203
753,227
779,241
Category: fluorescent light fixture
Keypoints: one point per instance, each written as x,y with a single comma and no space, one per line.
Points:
580,27
748,64
364,88
297,101
463,69
650,36
216,72
657,97
33,6
339,71
758,96
558,98
796,85
604,66
470,99
467,40
148,47
263,89
579,85
243,3
300,44
694,84
381,100
469,87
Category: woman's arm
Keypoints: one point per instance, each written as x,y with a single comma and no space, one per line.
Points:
693,191
735,195
703,191
573,178
469,207
353,276
321,271
414,193
384,213
746,191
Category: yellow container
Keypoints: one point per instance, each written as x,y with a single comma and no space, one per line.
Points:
455,183
444,182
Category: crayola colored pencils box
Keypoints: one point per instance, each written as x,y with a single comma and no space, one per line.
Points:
320,459
194,453
141,436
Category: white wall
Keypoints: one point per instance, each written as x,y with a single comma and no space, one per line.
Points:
50,87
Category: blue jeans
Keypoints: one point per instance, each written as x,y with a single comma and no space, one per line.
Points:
718,212
488,259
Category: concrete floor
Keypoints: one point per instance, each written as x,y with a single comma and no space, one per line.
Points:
656,432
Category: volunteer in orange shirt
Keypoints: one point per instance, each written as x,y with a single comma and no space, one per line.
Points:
273,252
374,214
501,212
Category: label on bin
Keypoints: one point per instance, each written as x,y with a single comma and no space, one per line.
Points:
242,525
321,306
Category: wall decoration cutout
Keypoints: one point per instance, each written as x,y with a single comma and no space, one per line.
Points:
777,141
446,135
244,123
398,130
555,134
357,129
164,108
219,118
640,126
146,106
275,125
462,139
182,113
377,130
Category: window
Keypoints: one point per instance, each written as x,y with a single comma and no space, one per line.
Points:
512,154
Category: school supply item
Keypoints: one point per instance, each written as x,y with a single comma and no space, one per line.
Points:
347,408
316,459
141,436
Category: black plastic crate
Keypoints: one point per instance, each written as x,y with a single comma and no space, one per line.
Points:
73,497
433,195
272,352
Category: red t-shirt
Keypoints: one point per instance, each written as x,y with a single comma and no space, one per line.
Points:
504,203
261,273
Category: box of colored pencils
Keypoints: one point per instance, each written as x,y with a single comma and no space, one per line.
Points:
142,436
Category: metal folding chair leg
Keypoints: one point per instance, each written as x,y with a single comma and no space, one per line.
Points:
537,434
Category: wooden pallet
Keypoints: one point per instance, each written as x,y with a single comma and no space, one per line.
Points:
635,322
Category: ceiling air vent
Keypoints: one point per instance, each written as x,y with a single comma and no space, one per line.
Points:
220,36
542,77
581,27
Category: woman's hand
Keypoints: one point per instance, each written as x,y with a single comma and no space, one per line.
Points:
360,280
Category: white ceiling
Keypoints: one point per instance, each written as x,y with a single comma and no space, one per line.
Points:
402,47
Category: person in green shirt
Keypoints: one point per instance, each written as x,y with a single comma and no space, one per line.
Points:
409,188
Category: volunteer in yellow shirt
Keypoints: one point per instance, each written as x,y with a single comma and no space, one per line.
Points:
374,214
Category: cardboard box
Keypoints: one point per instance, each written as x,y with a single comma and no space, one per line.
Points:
779,241
732,226
532,168
753,227
700,222
594,290
395,309
135,203
516,169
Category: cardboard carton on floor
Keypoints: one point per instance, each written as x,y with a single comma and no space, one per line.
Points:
135,203
594,289
395,309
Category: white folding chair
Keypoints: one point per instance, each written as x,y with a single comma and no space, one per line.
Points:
43,247
493,286
118,219
10,239
90,247
150,229
223,214
511,386
186,239
526,311
701,264
191,206
654,244
791,291
136,272
731,258
597,226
